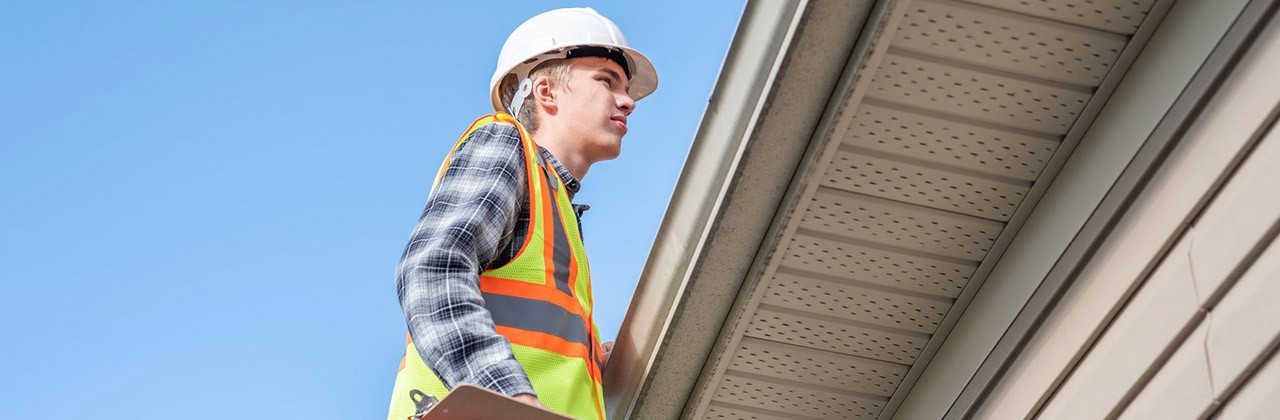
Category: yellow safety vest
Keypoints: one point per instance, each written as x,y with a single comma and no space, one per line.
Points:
540,302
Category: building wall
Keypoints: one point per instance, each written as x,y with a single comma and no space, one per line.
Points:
1177,314
1168,62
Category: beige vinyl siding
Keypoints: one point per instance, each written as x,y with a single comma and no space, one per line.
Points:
1257,399
1229,342
1237,333
1181,304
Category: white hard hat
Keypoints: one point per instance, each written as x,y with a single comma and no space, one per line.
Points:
568,33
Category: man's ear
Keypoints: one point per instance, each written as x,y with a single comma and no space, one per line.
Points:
544,94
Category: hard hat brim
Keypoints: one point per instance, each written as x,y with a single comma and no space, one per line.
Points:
644,77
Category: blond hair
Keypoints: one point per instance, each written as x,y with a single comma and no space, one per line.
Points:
557,71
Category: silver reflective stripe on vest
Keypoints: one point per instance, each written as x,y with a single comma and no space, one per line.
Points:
561,253
537,315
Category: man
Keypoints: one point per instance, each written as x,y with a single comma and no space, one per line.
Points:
494,282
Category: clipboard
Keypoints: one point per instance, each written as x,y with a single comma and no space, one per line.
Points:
470,402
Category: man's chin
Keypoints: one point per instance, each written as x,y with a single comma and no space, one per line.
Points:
612,153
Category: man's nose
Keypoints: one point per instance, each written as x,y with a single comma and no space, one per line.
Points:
626,104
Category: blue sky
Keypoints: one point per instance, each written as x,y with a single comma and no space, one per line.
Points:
203,202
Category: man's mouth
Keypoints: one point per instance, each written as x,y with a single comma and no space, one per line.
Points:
621,119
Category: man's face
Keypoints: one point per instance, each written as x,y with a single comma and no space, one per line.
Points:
596,105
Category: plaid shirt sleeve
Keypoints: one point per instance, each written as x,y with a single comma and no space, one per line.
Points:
470,213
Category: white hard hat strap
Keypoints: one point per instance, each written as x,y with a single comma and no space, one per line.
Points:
526,87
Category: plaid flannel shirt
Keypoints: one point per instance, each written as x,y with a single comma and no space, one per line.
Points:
476,218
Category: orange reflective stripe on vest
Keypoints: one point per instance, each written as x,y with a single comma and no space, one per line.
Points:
540,301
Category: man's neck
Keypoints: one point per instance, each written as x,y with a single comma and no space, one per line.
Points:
562,148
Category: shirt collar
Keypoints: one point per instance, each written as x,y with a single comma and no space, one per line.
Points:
571,183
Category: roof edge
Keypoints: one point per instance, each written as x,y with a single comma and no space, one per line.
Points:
731,193
751,61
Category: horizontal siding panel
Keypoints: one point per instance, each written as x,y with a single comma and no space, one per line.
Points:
1257,398
1239,217
1138,339
1246,323
1181,390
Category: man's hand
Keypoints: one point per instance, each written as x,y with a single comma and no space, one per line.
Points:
529,399
607,350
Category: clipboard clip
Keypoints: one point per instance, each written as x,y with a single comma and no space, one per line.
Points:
422,402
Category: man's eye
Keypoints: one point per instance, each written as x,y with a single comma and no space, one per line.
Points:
607,82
